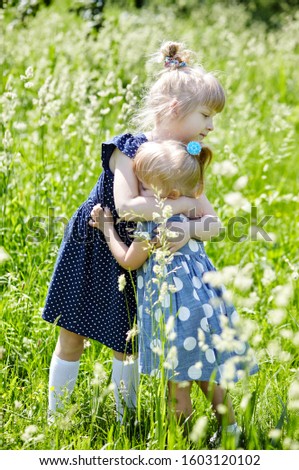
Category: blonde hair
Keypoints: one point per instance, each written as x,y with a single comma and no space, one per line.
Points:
190,86
168,168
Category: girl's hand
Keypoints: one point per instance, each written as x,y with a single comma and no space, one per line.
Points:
182,235
199,207
101,218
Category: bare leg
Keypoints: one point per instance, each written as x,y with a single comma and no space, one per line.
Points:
179,400
69,346
217,395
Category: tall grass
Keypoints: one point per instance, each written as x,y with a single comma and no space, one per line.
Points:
63,92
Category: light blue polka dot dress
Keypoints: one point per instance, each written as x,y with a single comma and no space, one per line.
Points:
189,332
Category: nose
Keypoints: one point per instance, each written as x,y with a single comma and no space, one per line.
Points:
210,125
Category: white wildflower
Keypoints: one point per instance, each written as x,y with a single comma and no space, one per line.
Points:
167,212
296,339
241,183
245,401
122,282
7,140
225,168
282,295
99,374
157,217
199,429
293,395
4,256
130,359
169,329
86,343
20,126
158,269
268,276
105,111
243,283
171,360
29,433
276,316
221,409
274,434
28,85
237,201
132,333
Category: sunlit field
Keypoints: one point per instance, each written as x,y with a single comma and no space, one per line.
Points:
64,90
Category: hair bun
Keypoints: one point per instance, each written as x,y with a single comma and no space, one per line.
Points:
176,51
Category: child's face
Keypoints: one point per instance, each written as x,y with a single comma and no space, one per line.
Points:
195,126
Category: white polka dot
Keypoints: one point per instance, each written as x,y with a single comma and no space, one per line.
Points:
210,356
200,266
196,282
185,266
140,282
195,295
183,313
204,325
189,343
158,314
193,245
194,372
208,310
178,283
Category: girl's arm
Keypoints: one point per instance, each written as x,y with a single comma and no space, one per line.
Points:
131,206
128,257
209,225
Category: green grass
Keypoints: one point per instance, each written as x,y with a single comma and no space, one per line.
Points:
48,169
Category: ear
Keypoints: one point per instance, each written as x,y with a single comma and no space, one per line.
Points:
174,194
174,107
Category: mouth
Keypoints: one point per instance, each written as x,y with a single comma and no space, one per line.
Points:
202,136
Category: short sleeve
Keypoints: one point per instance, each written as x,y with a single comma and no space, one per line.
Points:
126,143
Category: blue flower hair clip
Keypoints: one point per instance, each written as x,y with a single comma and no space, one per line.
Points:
194,148
171,62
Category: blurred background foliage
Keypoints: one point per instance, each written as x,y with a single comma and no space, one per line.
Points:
267,11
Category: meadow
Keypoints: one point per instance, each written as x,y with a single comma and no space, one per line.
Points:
64,90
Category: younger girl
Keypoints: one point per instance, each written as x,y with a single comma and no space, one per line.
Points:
180,327
83,296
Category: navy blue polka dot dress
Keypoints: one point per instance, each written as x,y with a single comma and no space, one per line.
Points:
83,295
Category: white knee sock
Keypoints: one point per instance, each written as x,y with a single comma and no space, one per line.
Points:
62,379
125,377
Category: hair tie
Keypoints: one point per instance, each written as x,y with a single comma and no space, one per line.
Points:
170,62
194,148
